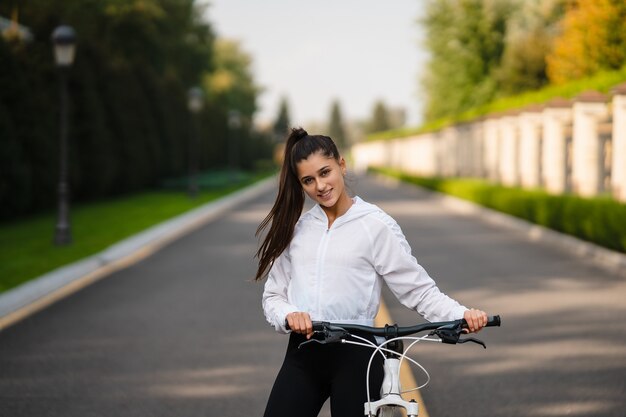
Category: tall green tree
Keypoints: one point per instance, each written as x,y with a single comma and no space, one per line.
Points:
128,115
530,34
283,121
233,91
379,120
335,126
232,83
466,40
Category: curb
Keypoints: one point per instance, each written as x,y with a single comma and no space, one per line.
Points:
68,279
605,259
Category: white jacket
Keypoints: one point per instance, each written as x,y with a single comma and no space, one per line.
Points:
336,274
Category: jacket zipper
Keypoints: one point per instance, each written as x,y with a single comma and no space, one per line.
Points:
321,256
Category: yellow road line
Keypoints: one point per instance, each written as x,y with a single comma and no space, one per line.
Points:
406,376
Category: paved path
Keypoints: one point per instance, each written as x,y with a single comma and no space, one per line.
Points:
182,334
562,348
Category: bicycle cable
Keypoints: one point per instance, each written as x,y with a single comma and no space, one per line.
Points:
380,349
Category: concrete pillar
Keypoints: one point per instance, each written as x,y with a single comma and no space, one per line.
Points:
429,160
588,175
530,131
618,160
394,153
449,145
509,150
556,147
477,150
491,146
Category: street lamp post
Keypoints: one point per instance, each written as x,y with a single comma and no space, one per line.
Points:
195,102
234,123
64,41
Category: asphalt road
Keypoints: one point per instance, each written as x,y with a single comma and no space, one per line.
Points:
182,333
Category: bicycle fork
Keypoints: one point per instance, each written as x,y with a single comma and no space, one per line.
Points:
390,393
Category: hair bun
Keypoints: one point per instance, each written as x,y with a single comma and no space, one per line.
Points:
299,133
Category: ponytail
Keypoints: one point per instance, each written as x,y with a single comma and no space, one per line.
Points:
287,208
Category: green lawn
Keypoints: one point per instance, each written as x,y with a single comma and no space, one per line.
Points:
27,251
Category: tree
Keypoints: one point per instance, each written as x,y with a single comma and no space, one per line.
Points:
466,40
232,83
530,34
380,118
335,127
128,114
593,38
282,123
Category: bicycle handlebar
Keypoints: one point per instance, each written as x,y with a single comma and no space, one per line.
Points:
447,331
492,321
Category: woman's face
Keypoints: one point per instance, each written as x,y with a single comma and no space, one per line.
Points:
321,178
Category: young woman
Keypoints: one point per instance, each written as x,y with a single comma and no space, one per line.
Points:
329,264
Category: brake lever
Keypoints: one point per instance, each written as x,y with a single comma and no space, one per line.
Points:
328,336
473,340
452,336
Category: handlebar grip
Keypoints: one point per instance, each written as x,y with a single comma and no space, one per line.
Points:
493,321
317,325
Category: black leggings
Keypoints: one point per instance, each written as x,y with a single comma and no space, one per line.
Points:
312,374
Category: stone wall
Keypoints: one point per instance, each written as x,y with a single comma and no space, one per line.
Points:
562,146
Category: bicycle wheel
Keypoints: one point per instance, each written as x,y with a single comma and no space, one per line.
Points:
389,412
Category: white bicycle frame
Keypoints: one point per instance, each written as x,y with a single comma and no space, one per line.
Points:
391,390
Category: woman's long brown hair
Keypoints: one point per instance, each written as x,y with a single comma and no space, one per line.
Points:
287,208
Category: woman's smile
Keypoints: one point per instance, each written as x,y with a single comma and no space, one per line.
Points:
325,195
321,178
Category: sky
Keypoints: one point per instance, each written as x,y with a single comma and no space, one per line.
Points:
313,52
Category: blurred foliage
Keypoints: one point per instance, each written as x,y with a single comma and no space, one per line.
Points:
379,121
466,41
232,83
483,51
26,251
593,38
602,81
336,128
530,32
283,121
129,126
599,220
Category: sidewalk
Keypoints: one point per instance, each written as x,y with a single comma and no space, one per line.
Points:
40,292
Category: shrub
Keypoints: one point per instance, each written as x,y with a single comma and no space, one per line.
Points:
600,220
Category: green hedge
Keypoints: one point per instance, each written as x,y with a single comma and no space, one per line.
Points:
600,220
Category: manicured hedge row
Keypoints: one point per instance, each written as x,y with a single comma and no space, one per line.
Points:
600,220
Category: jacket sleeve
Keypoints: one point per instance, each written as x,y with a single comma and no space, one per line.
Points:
407,279
275,304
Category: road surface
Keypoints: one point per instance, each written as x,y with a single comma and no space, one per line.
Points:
182,333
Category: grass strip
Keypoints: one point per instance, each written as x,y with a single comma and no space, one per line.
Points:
27,251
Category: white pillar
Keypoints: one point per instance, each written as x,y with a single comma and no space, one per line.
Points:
477,133
491,146
590,109
618,161
530,131
449,143
509,155
556,153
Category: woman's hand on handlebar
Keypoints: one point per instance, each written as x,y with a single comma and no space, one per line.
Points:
476,320
300,322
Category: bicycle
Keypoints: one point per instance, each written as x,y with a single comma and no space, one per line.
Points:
393,351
